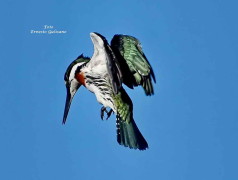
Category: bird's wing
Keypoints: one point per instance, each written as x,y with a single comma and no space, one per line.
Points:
135,68
113,70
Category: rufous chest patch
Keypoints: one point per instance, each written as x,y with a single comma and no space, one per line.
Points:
80,78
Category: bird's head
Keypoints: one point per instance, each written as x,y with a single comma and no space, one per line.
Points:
73,80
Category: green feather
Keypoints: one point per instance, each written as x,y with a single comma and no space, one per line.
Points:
129,48
128,133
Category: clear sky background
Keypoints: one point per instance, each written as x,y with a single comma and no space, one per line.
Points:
190,123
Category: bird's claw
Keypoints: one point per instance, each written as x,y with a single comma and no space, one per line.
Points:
109,113
102,112
103,109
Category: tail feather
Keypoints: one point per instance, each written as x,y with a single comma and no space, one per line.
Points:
129,135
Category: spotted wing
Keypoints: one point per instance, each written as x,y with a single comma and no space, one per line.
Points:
136,69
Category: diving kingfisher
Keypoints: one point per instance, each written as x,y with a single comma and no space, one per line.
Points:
111,65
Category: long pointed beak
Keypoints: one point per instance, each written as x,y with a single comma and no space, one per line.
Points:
67,105
69,98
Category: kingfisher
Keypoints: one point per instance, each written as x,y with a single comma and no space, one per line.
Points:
120,62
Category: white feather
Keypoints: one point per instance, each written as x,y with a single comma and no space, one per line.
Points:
97,67
74,68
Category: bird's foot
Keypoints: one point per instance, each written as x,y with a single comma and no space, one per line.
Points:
104,109
102,112
109,113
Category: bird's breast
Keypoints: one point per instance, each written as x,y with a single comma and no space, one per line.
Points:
80,78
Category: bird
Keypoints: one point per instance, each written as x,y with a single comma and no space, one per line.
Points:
111,65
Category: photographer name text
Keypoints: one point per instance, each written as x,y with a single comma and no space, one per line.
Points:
48,29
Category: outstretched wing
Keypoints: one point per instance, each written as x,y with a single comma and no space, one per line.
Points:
136,69
113,70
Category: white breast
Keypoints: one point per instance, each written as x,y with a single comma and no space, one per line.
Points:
97,67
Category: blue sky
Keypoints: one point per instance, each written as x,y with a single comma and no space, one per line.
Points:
190,123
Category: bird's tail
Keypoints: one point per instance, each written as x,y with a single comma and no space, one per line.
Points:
129,135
